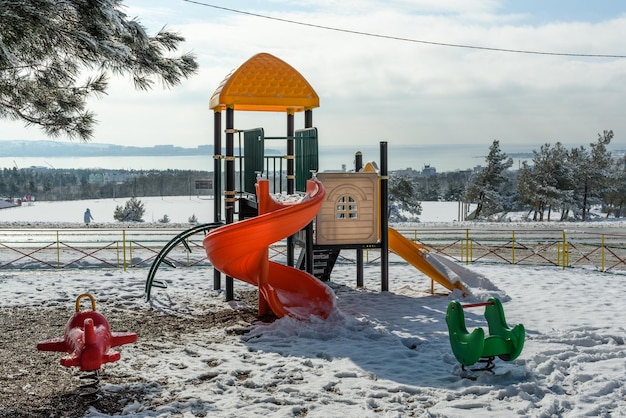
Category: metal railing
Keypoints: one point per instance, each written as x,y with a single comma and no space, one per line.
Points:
138,247
603,251
91,247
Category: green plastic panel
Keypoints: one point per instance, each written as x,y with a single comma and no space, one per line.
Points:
253,148
307,156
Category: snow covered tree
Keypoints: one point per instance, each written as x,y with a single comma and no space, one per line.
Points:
132,211
527,189
489,189
592,172
454,185
403,203
429,189
615,198
547,184
54,55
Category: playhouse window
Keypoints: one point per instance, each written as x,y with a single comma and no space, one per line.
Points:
347,208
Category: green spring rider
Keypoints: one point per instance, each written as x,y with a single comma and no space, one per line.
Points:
470,348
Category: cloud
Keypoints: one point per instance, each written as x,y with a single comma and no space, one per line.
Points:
374,88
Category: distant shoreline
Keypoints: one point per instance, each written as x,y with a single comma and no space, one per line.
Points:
68,155
50,148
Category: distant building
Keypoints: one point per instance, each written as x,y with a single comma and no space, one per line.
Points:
96,178
108,177
429,171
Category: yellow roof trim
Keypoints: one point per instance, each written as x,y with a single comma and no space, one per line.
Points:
370,167
265,83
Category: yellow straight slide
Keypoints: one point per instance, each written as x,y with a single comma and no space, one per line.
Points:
415,254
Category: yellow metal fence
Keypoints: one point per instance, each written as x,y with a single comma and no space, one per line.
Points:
138,247
603,250
92,247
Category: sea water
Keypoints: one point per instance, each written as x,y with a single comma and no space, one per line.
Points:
444,158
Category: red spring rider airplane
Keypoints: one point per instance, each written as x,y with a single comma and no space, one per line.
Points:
88,339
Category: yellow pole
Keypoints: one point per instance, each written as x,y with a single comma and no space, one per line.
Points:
467,243
462,249
564,250
124,246
512,247
602,251
58,251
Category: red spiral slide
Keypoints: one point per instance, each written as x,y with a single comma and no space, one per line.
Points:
240,250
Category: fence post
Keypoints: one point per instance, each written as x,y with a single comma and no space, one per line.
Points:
467,244
462,249
124,246
602,252
58,251
512,247
564,250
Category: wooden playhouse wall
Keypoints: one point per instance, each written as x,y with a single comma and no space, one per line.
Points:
349,214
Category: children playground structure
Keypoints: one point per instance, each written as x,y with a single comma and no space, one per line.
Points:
340,210
336,211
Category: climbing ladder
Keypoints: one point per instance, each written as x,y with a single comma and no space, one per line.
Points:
324,260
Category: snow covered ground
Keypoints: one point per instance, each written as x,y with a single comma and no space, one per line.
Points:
178,208
381,354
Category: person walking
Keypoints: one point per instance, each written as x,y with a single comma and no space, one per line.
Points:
87,217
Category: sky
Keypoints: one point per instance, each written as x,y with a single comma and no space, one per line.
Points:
411,90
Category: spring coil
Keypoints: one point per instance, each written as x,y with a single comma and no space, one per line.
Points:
90,388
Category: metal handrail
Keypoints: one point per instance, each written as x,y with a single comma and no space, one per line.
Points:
50,248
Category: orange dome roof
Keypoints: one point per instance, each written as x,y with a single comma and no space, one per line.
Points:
265,83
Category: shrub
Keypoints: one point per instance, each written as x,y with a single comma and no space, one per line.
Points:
132,211
165,219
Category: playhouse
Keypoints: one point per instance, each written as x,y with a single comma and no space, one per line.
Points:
349,213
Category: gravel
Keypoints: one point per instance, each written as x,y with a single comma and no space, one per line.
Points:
34,384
